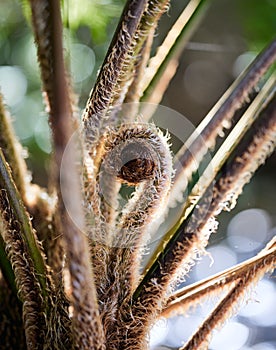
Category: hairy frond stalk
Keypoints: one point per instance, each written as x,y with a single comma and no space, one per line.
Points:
23,220
231,302
193,234
184,299
27,282
219,118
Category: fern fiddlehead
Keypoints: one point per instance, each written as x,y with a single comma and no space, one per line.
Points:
136,155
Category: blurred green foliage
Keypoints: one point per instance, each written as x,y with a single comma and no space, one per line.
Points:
94,14
258,20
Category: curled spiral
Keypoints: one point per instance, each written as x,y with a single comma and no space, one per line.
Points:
133,162
138,155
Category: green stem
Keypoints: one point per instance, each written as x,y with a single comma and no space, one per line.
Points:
11,149
16,203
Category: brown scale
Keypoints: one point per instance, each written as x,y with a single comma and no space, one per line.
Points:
138,164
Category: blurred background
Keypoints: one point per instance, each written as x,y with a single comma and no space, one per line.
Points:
228,38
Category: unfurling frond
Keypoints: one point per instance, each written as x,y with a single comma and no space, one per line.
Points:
137,155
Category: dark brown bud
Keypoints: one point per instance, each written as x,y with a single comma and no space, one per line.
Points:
137,163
